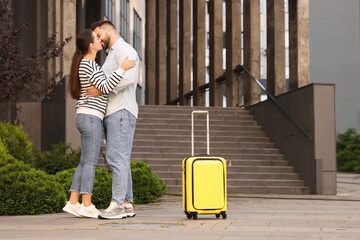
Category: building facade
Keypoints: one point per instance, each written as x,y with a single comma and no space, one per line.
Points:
51,120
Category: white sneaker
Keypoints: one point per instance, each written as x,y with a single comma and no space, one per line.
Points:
90,211
114,211
129,210
72,208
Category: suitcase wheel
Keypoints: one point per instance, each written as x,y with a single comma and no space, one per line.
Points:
217,215
223,214
188,215
194,215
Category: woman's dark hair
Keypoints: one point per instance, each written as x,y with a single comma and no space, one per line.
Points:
83,41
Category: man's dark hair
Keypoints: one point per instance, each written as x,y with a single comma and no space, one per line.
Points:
100,23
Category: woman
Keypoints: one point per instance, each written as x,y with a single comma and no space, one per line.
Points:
90,111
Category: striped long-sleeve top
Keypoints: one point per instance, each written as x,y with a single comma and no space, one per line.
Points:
90,72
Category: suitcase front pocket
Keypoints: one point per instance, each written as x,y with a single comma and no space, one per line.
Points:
208,184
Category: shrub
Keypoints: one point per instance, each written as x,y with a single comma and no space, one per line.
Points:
348,151
16,142
5,157
59,158
147,186
24,190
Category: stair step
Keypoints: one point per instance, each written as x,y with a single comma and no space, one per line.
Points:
232,169
271,183
151,140
244,126
231,163
182,149
201,122
177,109
199,139
172,143
248,175
246,182
198,133
176,189
187,116
147,155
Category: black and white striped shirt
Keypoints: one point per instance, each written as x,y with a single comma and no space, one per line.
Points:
90,72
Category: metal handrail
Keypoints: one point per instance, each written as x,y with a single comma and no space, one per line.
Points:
240,68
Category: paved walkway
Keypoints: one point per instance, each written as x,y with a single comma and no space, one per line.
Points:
249,217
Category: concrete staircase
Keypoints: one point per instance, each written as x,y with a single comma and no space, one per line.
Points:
254,165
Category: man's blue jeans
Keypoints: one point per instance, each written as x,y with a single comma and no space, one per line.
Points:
119,132
91,135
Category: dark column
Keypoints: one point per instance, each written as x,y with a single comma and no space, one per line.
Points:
216,47
172,85
199,49
233,50
299,43
251,50
150,51
275,47
161,67
185,51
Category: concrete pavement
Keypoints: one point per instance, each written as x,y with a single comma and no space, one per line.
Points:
249,217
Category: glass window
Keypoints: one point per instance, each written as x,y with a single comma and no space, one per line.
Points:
224,40
262,72
138,94
124,19
137,33
109,10
261,6
286,5
242,39
287,72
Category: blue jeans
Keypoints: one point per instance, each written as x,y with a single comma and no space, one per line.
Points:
119,129
91,136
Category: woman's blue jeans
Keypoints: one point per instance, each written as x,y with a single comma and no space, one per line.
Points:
90,128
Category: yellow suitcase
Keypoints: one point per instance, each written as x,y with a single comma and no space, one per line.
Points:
204,181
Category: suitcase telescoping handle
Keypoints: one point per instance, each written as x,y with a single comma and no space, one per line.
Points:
207,131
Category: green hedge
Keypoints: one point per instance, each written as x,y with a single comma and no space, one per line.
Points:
147,186
348,151
5,157
60,157
16,142
24,190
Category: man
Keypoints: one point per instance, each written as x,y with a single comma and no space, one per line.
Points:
120,119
